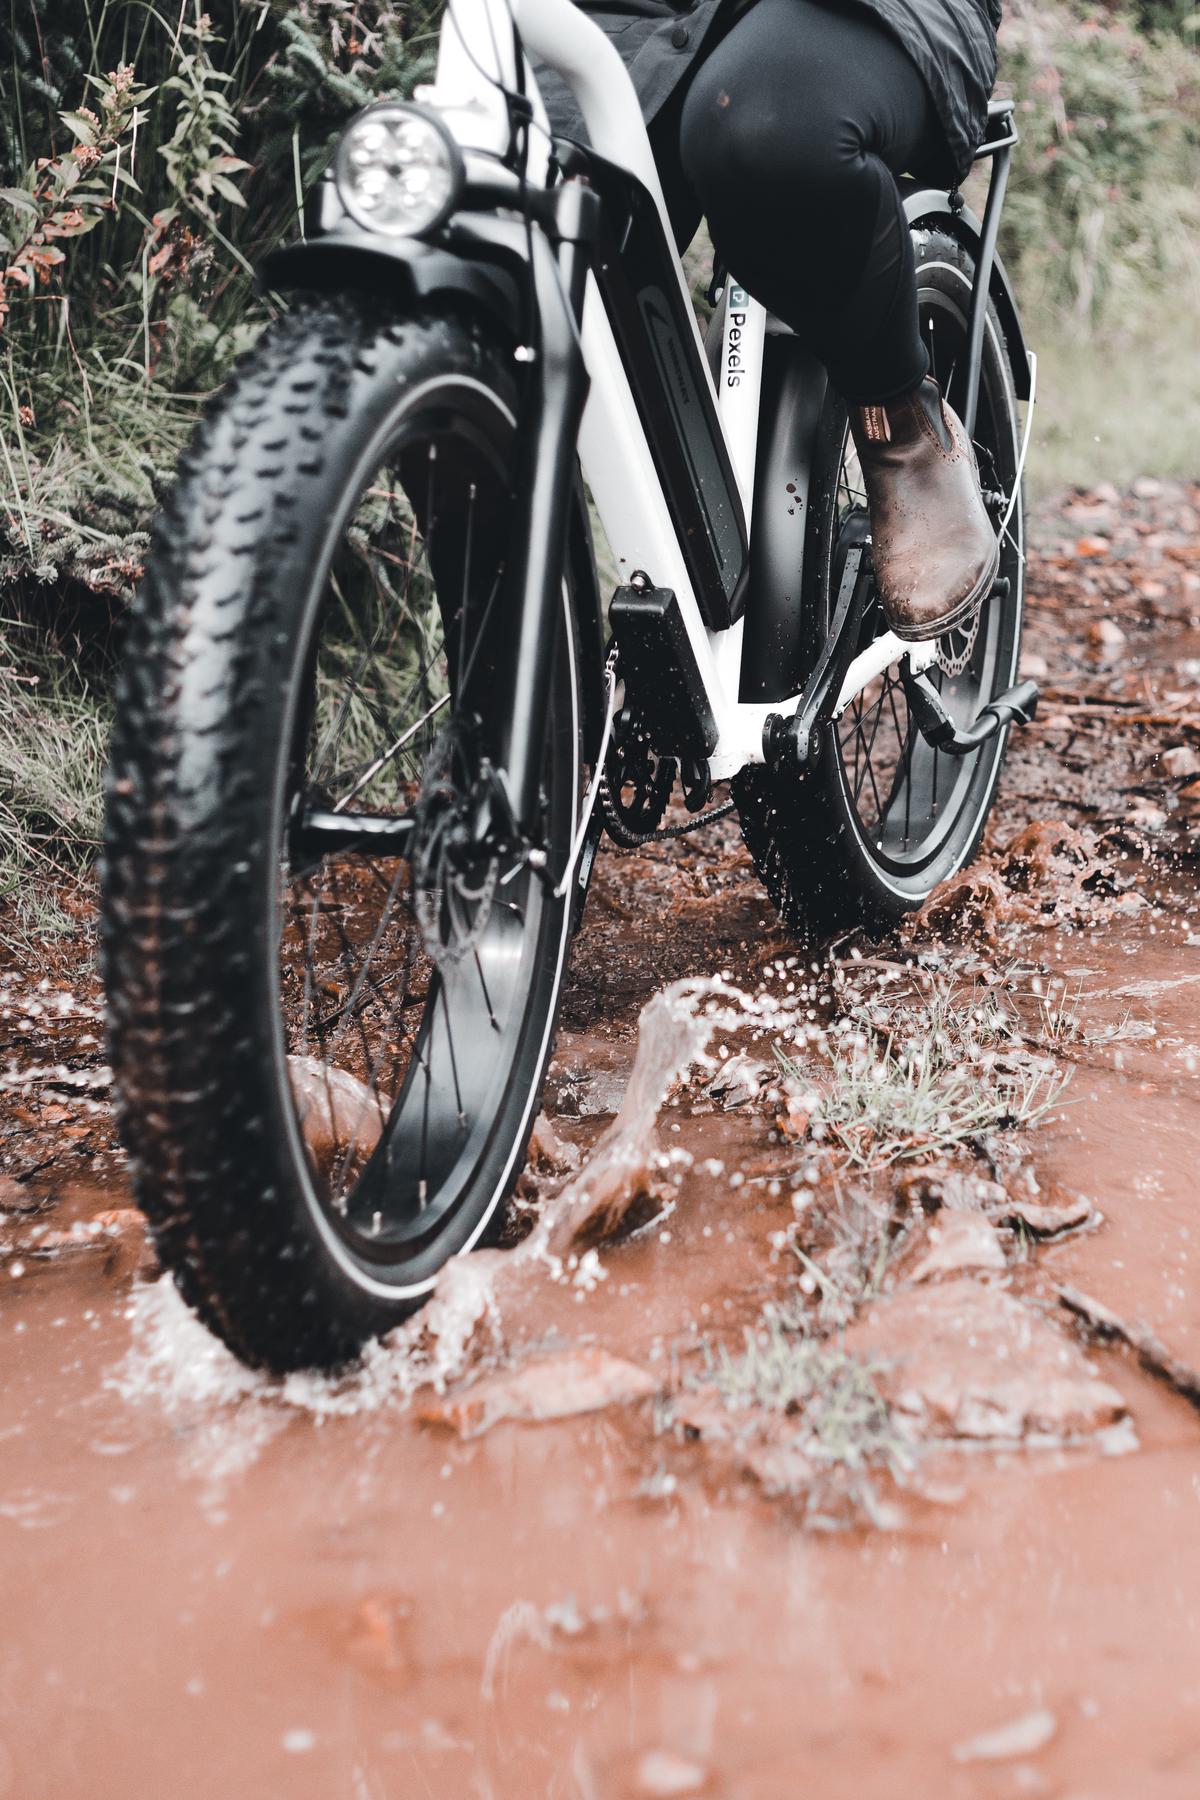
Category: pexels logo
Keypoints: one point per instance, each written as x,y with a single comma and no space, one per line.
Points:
735,325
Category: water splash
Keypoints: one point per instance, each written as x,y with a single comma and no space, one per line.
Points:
227,1413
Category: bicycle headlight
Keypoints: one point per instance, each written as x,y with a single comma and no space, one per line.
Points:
398,170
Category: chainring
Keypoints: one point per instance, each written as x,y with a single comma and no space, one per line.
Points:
635,787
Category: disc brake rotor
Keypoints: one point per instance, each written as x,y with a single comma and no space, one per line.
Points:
955,648
454,876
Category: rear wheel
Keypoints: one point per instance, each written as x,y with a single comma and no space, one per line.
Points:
884,818
332,981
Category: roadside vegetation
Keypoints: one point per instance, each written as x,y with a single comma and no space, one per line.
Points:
148,158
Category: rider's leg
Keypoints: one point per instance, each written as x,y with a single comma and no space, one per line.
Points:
790,136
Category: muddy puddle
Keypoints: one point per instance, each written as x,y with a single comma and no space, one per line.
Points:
826,1427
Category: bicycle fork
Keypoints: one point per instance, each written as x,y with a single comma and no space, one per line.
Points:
521,651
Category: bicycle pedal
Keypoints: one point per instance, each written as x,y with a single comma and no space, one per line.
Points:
1015,706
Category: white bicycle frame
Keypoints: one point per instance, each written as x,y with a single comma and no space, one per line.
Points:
476,60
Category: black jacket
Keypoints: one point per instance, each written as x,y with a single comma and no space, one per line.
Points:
952,42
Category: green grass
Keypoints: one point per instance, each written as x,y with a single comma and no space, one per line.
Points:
53,736
833,1395
1114,406
104,367
916,1081
836,1418
85,451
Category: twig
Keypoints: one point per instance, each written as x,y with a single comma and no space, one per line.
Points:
1113,709
1106,1325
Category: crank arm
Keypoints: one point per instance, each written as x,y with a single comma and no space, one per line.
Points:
793,741
1015,706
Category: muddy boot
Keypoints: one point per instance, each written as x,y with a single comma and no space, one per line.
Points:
936,553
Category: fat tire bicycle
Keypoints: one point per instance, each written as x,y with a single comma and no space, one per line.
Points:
375,711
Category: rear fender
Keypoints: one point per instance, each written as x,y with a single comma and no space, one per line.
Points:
931,206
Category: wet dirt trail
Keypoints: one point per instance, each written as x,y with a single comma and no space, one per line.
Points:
966,1562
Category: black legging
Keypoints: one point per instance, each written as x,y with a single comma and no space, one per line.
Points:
788,138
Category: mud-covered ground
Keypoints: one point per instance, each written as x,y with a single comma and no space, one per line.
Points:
833,1429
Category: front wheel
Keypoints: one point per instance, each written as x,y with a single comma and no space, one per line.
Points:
332,988
884,818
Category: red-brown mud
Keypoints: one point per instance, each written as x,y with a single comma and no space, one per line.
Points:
212,1585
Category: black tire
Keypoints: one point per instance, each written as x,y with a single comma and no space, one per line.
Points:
229,956
845,845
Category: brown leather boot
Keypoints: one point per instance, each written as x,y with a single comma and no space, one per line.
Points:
936,552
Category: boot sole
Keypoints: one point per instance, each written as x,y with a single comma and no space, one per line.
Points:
962,611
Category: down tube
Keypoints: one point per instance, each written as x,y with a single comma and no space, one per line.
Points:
740,388
625,487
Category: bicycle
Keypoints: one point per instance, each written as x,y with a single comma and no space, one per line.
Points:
374,716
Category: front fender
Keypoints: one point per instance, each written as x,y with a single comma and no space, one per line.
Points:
932,206
485,259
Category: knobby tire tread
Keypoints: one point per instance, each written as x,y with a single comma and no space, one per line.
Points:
204,637
796,827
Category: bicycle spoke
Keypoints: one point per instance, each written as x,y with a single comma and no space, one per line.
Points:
390,753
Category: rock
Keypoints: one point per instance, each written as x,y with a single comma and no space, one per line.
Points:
1179,761
376,1638
761,1443
1093,546
1048,1221
1033,667
1146,487
550,1152
1144,817
121,1236
341,1118
554,1387
1106,635
1020,1737
663,1774
958,1241
16,1198
969,1361
934,1185
779,1468
796,1114
740,1080
590,1093
130,1247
